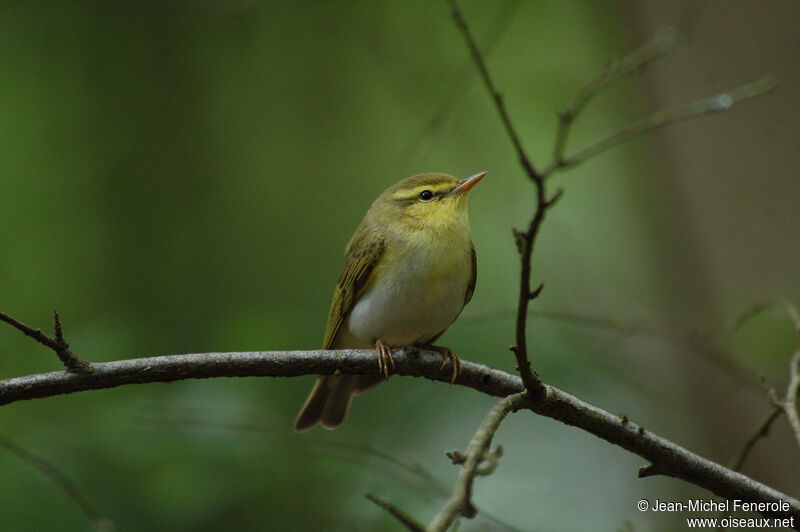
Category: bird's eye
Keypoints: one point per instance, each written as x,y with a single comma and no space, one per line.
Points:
426,195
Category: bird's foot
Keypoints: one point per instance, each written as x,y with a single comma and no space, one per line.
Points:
385,359
447,355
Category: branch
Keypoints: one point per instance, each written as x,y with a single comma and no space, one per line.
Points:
714,104
406,520
761,431
661,44
100,523
667,457
57,344
477,453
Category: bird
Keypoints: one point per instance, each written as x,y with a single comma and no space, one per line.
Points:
410,269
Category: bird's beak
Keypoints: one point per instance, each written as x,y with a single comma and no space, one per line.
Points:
464,185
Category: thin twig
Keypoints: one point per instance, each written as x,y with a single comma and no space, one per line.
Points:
664,42
99,522
57,344
461,22
790,403
406,520
460,502
761,431
36,334
525,239
714,104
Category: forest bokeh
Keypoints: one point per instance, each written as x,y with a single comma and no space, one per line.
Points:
182,177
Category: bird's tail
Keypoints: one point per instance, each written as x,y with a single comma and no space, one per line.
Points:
328,402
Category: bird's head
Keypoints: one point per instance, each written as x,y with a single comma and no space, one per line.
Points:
426,202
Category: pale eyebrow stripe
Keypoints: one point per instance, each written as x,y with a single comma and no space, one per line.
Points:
437,189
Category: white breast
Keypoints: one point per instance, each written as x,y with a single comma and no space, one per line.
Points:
423,297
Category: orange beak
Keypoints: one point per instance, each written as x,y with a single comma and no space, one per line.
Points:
464,185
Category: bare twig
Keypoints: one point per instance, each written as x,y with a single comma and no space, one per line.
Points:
761,431
790,403
57,344
674,460
477,451
99,522
664,41
525,239
406,520
36,334
787,404
461,22
714,104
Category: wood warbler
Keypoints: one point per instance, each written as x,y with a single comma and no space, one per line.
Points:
410,270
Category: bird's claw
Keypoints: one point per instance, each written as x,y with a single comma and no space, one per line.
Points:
385,359
447,355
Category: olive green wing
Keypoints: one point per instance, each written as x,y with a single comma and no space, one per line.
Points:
473,278
363,253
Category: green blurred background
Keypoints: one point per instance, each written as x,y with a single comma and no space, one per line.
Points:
183,176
